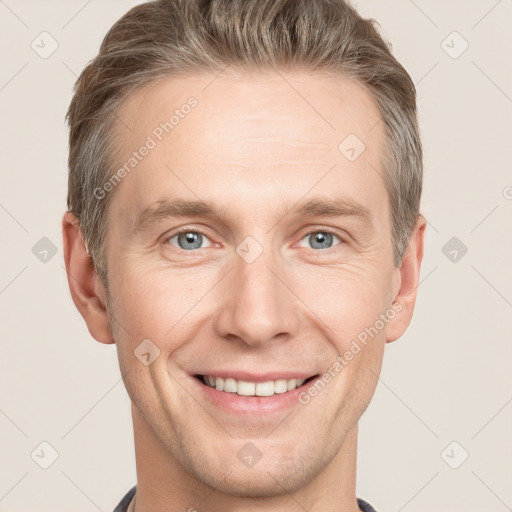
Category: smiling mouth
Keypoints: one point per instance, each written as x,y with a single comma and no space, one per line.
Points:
245,388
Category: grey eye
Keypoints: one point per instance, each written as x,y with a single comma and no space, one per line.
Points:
189,240
320,239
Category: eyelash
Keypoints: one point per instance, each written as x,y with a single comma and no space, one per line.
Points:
321,230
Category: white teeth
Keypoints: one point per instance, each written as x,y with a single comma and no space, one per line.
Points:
230,385
281,386
245,388
265,388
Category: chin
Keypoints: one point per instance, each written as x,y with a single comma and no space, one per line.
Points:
276,474
257,484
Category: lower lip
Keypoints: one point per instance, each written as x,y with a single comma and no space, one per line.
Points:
238,404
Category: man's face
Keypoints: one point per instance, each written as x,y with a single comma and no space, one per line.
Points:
260,290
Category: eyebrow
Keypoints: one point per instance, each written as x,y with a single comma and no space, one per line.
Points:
338,207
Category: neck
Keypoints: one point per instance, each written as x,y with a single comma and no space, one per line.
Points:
163,484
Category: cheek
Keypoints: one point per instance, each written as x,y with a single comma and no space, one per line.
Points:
153,303
347,305
346,300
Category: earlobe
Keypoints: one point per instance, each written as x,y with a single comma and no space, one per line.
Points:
408,275
86,289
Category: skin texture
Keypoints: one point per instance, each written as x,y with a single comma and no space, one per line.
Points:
256,148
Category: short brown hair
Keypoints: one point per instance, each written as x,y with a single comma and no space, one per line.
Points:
165,37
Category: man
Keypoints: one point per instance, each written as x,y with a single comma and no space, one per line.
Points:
245,180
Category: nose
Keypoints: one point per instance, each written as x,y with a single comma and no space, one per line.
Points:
258,303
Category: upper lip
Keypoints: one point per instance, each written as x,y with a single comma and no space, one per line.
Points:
257,377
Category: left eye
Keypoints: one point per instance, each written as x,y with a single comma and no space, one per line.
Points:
320,239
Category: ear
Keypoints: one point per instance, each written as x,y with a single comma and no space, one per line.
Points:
86,288
406,282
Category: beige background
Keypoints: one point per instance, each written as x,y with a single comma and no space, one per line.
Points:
448,379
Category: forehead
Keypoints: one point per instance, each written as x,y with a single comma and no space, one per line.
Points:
240,105
256,134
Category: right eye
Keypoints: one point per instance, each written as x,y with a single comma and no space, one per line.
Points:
188,239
